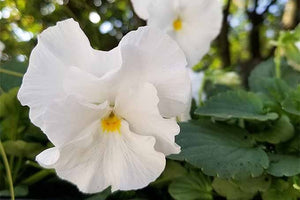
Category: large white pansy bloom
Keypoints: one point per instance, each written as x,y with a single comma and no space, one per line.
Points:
110,115
192,23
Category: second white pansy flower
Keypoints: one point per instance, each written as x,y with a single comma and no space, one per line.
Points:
110,115
192,23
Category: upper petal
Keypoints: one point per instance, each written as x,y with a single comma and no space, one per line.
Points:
152,56
125,161
139,107
141,8
59,48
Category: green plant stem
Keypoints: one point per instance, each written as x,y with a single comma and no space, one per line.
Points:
9,72
17,168
8,172
37,177
277,60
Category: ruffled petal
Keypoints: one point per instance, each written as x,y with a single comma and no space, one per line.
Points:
139,107
65,119
141,8
161,63
125,161
59,48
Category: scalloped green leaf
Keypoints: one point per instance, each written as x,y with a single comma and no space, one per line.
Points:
173,170
284,165
231,190
281,131
194,186
281,190
275,89
292,103
266,69
220,150
236,104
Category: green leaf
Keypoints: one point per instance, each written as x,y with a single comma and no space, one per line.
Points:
292,103
22,149
281,190
282,131
101,196
9,81
231,190
172,171
13,117
19,191
194,186
275,89
254,185
236,104
284,165
266,69
222,150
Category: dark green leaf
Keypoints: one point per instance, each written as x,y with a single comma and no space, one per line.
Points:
281,190
172,171
231,190
22,149
221,150
266,69
236,104
292,103
282,131
284,165
191,187
13,117
19,191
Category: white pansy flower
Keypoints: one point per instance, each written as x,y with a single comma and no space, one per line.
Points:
192,23
110,115
197,82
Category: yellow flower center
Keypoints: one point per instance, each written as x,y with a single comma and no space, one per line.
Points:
112,123
177,24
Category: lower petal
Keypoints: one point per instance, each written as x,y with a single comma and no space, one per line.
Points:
124,160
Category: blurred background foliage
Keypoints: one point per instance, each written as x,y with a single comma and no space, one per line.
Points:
249,30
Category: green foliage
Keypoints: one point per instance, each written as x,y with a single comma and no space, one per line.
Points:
13,117
194,186
292,103
232,149
284,165
253,138
241,190
281,131
236,104
281,190
21,148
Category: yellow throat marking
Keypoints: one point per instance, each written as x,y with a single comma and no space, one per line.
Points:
177,24
110,124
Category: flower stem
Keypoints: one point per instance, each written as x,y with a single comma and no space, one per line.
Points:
8,172
12,73
37,176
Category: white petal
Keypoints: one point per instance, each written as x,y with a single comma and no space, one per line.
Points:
65,119
89,87
125,161
161,63
141,8
59,48
201,23
48,158
139,107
